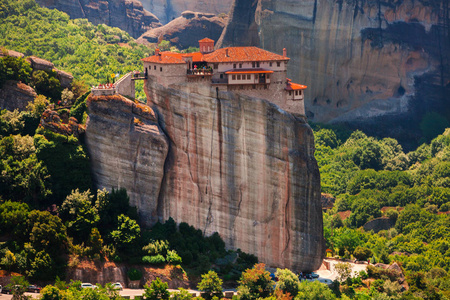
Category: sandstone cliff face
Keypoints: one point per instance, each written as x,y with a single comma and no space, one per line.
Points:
235,165
16,95
127,150
359,59
187,30
167,10
241,167
128,15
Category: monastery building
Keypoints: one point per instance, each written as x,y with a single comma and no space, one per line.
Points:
246,70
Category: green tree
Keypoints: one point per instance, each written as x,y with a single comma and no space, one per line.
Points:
46,83
14,68
50,292
18,287
46,232
8,261
210,285
362,253
314,291
157,290
344,271
255,283
363,210
287,282
126,233
326,137
182,294
80,213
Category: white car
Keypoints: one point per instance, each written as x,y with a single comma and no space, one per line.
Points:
88,286
117,286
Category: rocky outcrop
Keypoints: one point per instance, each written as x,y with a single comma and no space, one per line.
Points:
360,59
235,165
61,124
105,272
167,10
16,95
379,224
187,30
127,150
128,15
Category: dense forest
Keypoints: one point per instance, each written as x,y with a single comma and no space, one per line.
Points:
51,215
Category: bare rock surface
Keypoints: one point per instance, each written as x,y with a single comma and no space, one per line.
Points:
16,95
241,167
127,150
186,30
128,15
361,60
167,10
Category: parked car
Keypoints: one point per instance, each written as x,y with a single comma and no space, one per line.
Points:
34,289
87,285
117,286
314,275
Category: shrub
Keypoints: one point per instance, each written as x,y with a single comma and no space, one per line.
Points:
154,259
134,274
173,257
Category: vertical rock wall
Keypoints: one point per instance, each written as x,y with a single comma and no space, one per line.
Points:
244,168
167,10
360,59
127,150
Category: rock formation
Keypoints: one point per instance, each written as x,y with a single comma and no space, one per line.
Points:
235,165
187,30
359,59
127,150
16,95
167,10
128,15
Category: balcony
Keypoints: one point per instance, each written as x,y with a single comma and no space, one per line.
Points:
199,72
139,76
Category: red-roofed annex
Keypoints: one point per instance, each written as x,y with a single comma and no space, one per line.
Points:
246,70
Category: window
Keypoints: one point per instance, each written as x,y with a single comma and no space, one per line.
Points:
221,76
257,64
296,93
278,64
240,66
239,77
234,77
216,66
248,76
300,92
253,64
290,93
270,64
160,69
234,66
154,67
268,76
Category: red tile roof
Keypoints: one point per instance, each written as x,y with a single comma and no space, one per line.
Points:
248,71
242,54
295,86
235,54
165,58
206,40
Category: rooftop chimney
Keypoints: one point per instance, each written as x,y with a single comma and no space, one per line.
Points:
226,52
284,52
157,51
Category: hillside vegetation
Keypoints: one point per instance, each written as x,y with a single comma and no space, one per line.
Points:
365,175
91,53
